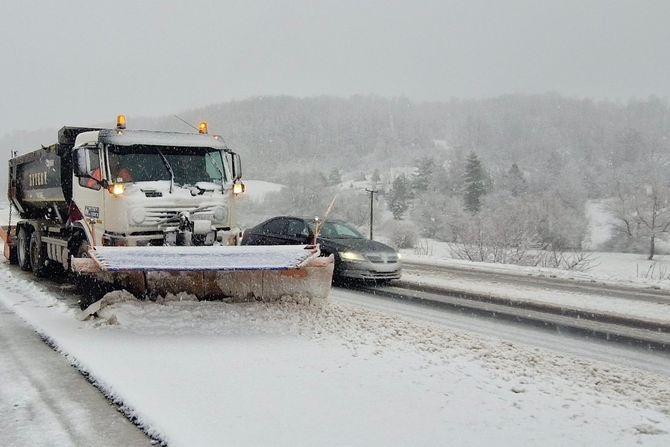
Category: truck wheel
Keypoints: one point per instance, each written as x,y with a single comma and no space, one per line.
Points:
37,255
22,252
12,251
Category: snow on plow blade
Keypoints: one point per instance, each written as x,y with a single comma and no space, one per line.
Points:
213,272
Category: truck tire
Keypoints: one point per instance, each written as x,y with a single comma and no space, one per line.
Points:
22,249
13,254
38,256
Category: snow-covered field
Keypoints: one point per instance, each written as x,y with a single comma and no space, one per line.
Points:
256,190
621,268
210,373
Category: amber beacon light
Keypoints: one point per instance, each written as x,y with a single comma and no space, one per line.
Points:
202,127
121,122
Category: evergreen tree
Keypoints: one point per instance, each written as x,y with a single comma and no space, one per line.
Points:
515,181
421,179
399,196
474,184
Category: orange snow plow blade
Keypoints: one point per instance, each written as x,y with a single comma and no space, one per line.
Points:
6,238
220,272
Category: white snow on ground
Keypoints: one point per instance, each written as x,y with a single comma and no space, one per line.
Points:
600,224
210,373
629,269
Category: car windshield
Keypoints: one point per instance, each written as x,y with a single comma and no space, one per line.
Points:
337,230
190,165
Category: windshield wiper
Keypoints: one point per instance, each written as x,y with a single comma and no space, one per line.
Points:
169,168
213,163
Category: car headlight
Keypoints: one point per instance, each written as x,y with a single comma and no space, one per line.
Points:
352,256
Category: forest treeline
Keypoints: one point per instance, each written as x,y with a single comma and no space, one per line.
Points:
540,159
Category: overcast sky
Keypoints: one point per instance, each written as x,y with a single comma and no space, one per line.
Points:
83,62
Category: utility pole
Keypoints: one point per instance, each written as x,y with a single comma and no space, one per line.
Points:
372,197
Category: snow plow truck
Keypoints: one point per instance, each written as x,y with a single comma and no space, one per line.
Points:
150,212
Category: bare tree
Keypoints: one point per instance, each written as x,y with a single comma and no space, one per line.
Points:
653,211
642,203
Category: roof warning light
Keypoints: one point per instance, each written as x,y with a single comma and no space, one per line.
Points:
202,127
121,122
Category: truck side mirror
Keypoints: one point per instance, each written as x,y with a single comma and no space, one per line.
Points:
81,165
237,166
79,162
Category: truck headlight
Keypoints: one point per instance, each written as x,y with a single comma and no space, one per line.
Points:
137,216
352,256
238,188
117,188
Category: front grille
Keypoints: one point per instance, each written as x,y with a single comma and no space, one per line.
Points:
154,217
382,258
169,216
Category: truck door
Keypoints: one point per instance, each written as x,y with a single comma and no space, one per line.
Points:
88,194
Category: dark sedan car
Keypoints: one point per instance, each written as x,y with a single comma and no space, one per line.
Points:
355,256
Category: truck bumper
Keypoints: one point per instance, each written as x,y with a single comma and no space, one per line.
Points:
117,240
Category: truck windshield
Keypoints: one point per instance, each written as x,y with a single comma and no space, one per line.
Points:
140,163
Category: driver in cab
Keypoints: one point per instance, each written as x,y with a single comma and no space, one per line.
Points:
119,174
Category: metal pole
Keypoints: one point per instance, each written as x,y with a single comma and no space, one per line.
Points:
372,196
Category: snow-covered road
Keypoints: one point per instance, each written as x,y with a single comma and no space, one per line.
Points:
209,373
46,402
640,303
560,342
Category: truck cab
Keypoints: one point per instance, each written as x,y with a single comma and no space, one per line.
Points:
138,187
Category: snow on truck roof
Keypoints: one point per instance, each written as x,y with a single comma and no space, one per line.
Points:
155,138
